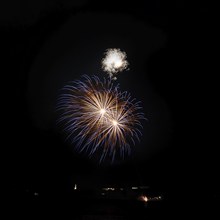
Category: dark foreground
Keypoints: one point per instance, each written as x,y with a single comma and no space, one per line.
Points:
86,207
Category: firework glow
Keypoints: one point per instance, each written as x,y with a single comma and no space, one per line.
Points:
114,62
97,117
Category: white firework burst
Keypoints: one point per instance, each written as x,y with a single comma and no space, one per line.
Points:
114,62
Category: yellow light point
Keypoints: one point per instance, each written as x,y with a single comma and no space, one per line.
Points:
102,111
114,122
145,198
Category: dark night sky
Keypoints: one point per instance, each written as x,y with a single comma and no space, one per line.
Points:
168,45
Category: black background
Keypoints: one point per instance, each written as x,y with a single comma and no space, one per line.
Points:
177,72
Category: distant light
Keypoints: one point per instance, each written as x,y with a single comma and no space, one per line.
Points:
121,189
108,189
145,199
36,194
143,187
75,187
134,187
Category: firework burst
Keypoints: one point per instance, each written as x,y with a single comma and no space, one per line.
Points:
96,116
114,62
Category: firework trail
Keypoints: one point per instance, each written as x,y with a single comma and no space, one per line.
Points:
114,62
97,117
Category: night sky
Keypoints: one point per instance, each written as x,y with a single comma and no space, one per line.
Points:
46,44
